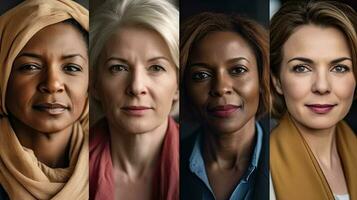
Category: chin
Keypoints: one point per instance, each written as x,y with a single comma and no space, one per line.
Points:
139,127
50,128
319,124
226,127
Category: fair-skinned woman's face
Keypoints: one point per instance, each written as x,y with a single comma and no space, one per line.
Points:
316,76
48,85
222,81
137,80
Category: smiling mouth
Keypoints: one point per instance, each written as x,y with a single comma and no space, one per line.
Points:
223,111
321,108
51,108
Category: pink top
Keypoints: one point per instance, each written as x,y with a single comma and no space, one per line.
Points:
101,179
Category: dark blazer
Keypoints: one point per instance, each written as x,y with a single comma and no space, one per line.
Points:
191,187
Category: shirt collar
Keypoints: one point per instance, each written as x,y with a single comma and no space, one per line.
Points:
196,162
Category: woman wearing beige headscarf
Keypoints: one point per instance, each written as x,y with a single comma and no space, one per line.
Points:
43,101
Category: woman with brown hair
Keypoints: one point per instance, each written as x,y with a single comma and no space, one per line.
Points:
313,70
224,82
44,101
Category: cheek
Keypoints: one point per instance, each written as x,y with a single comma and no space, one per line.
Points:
344,87
164,90
197,93
248,89
16,100
295,88
110,91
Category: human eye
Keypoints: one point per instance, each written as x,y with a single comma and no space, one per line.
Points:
157,68
72,68
300,69
118,68
238,70
29,67
340,69
200,76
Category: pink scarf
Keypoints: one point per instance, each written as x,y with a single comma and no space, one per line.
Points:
101,180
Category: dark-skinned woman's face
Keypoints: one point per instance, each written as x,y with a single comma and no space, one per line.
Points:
222,81
48,85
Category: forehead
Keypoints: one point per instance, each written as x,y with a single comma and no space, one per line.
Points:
222,45
131,41
60,37
316,42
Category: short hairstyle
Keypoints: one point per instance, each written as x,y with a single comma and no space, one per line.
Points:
294,14
158,15
199,26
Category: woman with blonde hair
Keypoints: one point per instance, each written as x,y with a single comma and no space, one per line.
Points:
313,69
134,63
44,101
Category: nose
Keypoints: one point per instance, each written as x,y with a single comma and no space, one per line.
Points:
321,83
222,85
136,85
52,81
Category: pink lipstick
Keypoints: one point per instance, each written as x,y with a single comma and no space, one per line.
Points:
223,111
321,108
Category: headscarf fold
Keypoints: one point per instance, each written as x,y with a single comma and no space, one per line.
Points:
21,174
295,171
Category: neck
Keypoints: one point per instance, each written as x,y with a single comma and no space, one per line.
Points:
230,150
136,155
52,149
322,142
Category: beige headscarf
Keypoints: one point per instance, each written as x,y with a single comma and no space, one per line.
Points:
21,174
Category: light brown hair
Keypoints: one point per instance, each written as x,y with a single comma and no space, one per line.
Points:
296,13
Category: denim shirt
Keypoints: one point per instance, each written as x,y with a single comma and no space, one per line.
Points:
244,189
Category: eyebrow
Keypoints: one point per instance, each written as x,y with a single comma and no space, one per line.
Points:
37,56
200,64
117,59
126,61
238,59
307,60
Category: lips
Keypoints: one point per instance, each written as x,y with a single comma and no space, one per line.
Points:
51,108
136,110
321,108
223,111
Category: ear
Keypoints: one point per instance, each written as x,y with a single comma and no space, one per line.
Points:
277,85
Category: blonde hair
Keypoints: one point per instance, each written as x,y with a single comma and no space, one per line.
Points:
158,15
